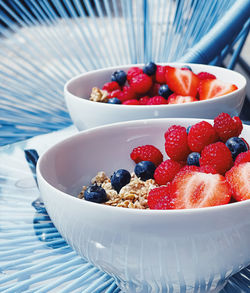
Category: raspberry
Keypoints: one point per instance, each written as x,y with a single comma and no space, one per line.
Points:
141,83
227,127
166,171
114,94
144,100
190,168
157,100
146,153
200,135
133,71
176,145
160,74
208,169
218,156
206,75
127,93
171,128
131,102
111,86
242,158
160,198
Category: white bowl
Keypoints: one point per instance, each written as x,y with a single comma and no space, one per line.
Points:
145,250
87,114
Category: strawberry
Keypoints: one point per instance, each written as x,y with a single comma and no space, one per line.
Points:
210,88
205,75
182,82
160,74
194,189
238,178
178,99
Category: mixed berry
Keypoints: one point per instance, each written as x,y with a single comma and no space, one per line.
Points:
207,165
158,84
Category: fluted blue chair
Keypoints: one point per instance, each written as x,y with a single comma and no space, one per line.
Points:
43,44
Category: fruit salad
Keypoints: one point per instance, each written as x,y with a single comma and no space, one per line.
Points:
207,165
157,84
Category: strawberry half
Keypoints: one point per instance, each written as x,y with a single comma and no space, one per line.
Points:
178,99
182,82
194,189
238,178
210,88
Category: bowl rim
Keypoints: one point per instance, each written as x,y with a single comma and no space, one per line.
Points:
193,211
67,93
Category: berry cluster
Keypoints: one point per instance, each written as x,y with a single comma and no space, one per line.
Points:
207,165
158,84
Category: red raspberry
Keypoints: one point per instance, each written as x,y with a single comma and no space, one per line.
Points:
200,135
111,86
146,153
171,128
133,71
176,145
157,100
144,100
218,156
227,127
160,198
190,168
141,83
166,171
208,169
242,158
206,75
131,102
115,94
160,74
127,93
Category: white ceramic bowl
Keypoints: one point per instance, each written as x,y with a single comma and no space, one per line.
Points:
87,114
145,250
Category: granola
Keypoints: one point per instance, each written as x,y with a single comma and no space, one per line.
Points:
98,95
133,195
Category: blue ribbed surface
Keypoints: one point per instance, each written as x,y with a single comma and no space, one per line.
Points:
44,43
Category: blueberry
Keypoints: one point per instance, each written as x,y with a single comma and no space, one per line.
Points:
145,170
165,91
95,193
119,76
114,101
193,159
150,68
236,146
187,67
120,178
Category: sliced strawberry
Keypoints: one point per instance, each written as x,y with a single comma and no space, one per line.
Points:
182,82
206,75
210,88
178,99
160,74
194,189
238,178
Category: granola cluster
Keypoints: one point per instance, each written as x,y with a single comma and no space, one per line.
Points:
133,195
98,95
